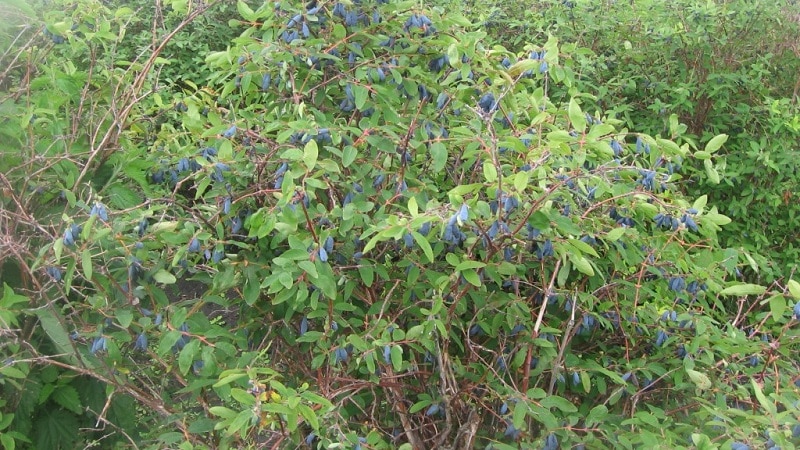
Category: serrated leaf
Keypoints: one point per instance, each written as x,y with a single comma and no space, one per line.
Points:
743,289
716,142
67,398
51,322
122,197
56,428
164,277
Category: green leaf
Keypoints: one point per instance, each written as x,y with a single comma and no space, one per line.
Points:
51,322
123,197
310,153
361,94
67,398
202,425
228,378
794,289
576,116
489,171
468,264
86,263
712,173
124,317
762,399
438,156
583,247
10,298
522,66
309,415
521,180
743,289
700,203
245,11
367,275
777,306
452,55
582,264
559,402
243,397
472,277
56,428
519,415
349,155
423,244
596,415
221,411
5,420
397,357
716,142
8,443
164,277
12,372
187,356
326,281
701,155
700,380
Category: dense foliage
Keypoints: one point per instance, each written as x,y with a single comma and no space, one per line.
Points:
367,226
722,67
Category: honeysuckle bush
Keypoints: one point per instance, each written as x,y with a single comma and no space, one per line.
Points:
722,67
369,229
